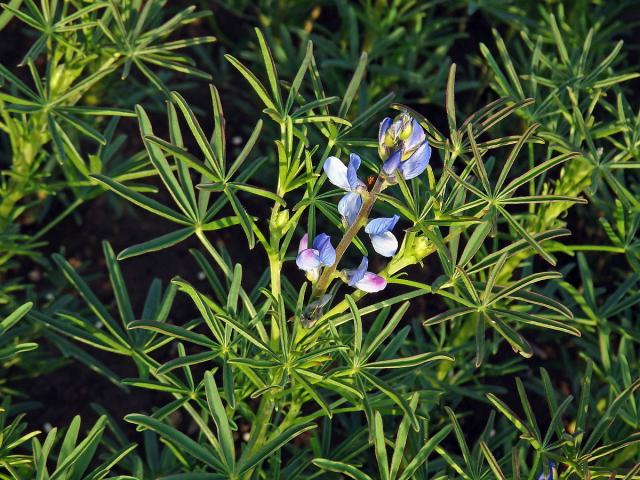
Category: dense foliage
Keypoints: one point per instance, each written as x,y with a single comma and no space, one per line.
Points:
393,240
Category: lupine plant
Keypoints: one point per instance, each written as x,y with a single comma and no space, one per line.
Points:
373,290
56,132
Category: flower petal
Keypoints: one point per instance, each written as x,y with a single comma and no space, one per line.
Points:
308,259
386,244
336,172
354,276
378,226
326,252
392,163
384,127
371,283
349,207
352,172
304,243
417,137
417,163
383,149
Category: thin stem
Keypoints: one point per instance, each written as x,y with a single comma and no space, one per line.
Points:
327,274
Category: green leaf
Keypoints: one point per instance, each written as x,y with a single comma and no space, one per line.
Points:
491,460
339,467
142,201
380,446
246,222
179,439
475,241
247,462
270,66
450,101
354,84
395,396
253,80
424,452
410,362
220,418
513,418
159,243
14,317
187,360
516,341
175,331
198,134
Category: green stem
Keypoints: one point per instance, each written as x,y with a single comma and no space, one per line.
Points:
275,266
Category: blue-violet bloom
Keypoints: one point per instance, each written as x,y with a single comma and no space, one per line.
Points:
403,146
384,242
404,134
346,178
366,281
311,260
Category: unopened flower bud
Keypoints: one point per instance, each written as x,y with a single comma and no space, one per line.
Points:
281,219
420,248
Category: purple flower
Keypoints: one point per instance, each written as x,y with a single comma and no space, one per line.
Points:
366,281
384,242
311,260
549,476
403,146
346,178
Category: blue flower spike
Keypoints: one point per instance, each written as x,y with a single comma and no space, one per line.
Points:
384,242
311,260
403,146
346,178
363,280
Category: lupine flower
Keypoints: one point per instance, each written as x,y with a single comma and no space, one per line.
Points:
404,134
366,281
549,475
403,146
346,178
311,260
384,242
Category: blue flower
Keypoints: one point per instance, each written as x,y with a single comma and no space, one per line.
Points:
366,281
311,260
384,242
403,146
549,476
346,178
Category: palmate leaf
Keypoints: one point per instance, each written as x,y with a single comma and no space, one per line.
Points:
481,304
139,40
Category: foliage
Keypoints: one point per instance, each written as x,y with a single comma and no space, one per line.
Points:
409,307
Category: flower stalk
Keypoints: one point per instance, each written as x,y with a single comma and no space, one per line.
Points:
321,286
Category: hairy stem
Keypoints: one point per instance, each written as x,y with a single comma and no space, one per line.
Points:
327,274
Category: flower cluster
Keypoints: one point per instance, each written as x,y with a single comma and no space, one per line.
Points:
405,152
